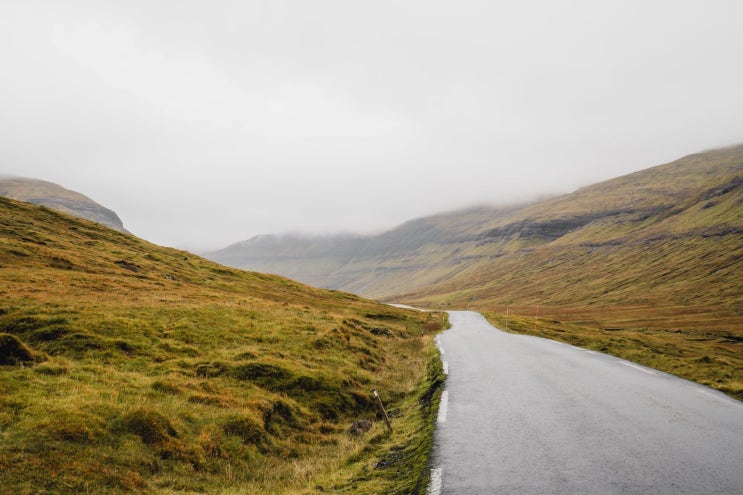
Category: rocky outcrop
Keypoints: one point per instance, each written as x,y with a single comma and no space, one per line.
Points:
546,230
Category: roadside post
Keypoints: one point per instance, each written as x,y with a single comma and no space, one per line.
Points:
384,412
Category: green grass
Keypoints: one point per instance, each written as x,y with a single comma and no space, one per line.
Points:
396,463
135,368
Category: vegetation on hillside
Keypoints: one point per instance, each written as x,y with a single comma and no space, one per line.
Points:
648,267
663,249
655,256
666,240
127,367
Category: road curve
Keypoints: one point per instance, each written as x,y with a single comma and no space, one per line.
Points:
524,415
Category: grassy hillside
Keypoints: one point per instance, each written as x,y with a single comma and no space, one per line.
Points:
127,367
648,266
310,259
415,254
661,247
53,196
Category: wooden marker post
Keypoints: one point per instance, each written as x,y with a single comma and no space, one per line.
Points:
381,406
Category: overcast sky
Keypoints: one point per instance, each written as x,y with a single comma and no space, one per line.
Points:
202,123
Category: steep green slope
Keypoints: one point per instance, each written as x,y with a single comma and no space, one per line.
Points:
660,242
127,367
58,198
648,267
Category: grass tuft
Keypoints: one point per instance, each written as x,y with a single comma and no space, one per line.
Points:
247,428
150,426
14,351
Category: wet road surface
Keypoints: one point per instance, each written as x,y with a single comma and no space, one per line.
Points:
523,415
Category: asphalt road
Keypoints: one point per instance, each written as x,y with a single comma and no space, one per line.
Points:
524,415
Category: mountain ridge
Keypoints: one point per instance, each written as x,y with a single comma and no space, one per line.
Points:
450,259
56,197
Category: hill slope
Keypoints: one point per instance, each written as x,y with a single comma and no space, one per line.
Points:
647,267
58,198
126,367
667,239
417,253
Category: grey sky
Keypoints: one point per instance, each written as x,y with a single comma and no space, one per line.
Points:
204,123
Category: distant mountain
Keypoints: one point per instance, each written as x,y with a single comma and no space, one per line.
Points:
412,255
58,198
668,237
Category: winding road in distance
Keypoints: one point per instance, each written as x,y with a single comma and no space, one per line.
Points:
524,415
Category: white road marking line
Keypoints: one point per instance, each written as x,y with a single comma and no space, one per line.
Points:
637,367
724,400
443,405
446,367
711,395
434,487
